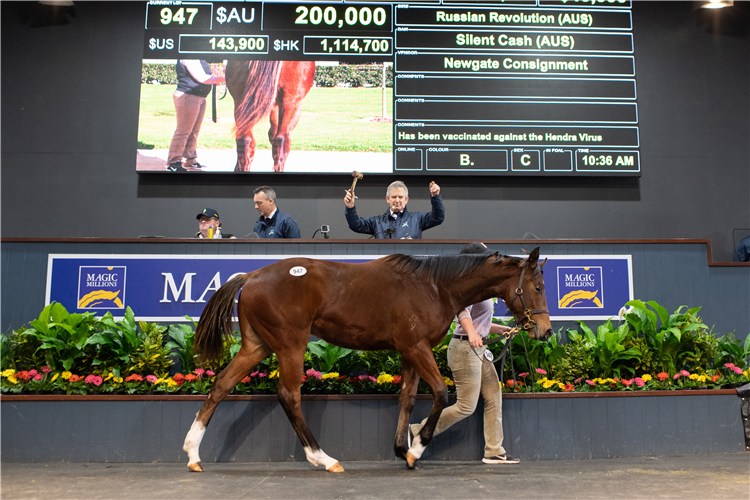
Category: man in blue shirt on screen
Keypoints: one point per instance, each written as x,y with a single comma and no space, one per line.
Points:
397,222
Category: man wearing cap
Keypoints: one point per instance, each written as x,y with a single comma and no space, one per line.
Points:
209,225
273,223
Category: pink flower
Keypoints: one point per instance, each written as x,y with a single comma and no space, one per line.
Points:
737,370
33,372
639,382
210,373
523,375
93,379
254,374
541,372
151,378
729,365
98,380
591,383
262,374
46,369
38,376
313,373
685,373
577,380
200,372
677,375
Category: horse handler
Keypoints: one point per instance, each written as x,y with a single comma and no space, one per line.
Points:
473,376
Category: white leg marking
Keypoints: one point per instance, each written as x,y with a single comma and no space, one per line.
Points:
193,442
416,447
320,458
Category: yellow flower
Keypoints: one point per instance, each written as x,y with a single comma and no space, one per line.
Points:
326,376
66,375
646,377
701,378
171,383
542,381
54,377
547,384
561,385
693,376
8,373
111,375
448,381
12,379
385,379
275,374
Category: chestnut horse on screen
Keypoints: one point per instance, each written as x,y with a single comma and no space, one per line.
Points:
398,302
262,87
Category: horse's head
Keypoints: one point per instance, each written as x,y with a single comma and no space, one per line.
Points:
528,303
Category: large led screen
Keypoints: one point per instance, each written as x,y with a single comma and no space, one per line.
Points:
482,88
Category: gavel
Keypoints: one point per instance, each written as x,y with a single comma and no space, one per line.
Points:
357,176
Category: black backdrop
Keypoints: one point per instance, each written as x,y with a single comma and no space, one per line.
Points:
70,96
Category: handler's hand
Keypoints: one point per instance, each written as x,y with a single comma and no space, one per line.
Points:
475,340
349,199
501,329
434,189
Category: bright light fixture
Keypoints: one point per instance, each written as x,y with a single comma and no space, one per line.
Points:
719,4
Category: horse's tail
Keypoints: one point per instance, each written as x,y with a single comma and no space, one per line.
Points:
259,95
216,319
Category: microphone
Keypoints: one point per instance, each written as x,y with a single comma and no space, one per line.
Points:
390,232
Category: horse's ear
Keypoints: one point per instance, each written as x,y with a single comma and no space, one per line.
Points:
541,264
531,262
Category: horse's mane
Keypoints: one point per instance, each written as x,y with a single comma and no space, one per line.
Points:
444,268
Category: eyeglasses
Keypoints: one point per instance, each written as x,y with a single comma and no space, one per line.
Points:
207,221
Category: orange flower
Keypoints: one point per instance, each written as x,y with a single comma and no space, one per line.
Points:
662,376
190,377
568,388
76,378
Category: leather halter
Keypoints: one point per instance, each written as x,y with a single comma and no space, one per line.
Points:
527,313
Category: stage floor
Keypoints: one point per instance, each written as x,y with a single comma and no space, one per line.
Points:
702,477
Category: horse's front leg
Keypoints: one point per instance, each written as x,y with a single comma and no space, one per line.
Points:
409,383
291,364
253,351
421,357
245,153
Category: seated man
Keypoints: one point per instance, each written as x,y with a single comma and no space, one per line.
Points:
272,222
209,225
397,222
742,252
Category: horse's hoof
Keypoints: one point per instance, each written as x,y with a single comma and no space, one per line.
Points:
411,460
336,468
196,467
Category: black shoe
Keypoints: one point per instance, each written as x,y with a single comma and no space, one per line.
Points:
196,166
501,459
175,167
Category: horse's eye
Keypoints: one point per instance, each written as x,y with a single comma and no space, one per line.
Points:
538,288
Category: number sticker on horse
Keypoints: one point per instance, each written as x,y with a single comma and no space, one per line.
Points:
297,271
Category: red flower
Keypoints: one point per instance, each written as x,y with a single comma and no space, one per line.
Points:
75,378
568,388
134,378
245,380
396,379
24,375
662,376
190,377
304,379
627,383
178,376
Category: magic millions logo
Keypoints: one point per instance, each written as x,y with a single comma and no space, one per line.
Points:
101,287
580,287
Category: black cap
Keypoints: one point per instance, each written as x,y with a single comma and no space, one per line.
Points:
208,212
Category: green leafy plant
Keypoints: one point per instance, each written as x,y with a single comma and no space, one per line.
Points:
608,349
183,336
152,356
116,344
664,339
62,335
729,350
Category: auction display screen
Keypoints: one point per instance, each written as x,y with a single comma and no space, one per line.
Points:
530,88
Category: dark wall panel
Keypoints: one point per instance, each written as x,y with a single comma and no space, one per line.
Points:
69,132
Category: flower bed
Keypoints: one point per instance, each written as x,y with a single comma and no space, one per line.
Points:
650,350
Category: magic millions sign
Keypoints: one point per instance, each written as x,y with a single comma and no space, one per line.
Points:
170,287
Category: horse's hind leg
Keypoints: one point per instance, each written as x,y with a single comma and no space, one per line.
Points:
409,383
253,351
420,356
245,152
291,364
